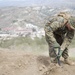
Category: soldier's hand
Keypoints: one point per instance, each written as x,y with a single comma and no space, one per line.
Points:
55,44
60,54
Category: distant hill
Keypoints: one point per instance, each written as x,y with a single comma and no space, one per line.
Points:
38,15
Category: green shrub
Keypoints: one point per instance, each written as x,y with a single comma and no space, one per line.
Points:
25,43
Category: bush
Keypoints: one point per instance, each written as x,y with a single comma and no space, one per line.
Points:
25,43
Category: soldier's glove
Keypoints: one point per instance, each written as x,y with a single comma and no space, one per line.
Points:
60,53
57,47
61,50
55,44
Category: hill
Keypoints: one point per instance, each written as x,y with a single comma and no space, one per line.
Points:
20,16
23,63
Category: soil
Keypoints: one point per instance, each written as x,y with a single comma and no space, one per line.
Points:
23,63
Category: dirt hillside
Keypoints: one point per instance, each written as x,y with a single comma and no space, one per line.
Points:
23,63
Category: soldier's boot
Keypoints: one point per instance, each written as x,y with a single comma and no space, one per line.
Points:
67,61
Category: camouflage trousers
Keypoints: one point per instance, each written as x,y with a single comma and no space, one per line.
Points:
59,39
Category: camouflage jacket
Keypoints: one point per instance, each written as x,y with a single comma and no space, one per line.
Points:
57,25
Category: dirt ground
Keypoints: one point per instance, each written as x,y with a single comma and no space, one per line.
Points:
23,63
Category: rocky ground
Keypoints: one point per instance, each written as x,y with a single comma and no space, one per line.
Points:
26,63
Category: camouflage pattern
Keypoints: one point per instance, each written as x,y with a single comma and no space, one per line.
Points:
71,21
56,32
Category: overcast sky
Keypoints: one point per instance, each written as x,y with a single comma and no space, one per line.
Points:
36,2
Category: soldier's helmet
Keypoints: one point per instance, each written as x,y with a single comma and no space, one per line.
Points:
69,18
64,15
71,21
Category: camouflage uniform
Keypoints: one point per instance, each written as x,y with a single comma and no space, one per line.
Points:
57,32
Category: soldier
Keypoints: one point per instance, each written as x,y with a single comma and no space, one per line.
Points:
59,32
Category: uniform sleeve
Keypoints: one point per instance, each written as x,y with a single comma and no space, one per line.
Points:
49,31
68,39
